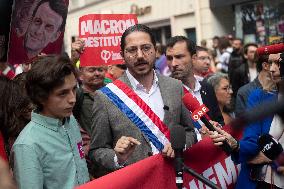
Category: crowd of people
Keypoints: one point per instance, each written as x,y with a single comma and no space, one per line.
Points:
63,125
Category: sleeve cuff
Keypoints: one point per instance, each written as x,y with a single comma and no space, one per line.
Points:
116,164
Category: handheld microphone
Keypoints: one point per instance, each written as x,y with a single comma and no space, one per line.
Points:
270,146
199,112
177,138
271,49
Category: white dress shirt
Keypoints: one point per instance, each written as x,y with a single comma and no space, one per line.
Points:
153,99
196,91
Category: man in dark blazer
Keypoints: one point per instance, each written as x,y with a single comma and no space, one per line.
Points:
115,140
181,53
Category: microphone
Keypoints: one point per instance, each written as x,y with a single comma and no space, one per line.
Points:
271,49
199,112
270,146
166,107
177,139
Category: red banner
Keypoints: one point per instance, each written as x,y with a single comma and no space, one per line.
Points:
102,34
36,27
157,172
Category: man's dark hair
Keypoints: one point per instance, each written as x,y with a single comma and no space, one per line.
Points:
216,37
238,39
161,48
137,28
259,60
57,6
224,43
247,46
191,47
199,48
47,73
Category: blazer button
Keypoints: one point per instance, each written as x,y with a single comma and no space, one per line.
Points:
150,154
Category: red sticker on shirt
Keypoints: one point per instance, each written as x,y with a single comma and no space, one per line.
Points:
81,150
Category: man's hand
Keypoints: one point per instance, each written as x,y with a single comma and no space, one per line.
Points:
280,170
77,48
168,151
260,158
124,148
3,66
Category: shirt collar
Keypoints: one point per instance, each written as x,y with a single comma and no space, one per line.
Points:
198,78
196,89
136,85
48,122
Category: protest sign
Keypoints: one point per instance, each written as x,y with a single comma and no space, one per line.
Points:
5,18
36,27
102,35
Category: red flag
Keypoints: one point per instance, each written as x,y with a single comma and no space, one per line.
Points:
157,172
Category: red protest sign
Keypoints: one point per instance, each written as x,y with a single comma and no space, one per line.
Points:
102,34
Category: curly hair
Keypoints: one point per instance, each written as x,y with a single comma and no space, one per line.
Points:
12,103
47,73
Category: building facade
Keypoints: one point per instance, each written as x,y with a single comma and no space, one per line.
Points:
260,21
192,18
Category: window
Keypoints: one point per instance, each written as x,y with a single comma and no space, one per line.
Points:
191,34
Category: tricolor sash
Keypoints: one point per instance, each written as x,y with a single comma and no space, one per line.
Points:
125,99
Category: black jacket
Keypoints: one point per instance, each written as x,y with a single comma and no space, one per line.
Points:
210,101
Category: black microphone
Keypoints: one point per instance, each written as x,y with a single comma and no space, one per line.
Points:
177,138
270,146
166,107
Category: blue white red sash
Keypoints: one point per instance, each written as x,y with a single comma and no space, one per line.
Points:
124,98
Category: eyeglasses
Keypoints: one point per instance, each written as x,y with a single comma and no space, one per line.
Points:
204,58
227,89
132,51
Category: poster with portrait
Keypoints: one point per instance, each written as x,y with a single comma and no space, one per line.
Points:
102,35
37,26
5,18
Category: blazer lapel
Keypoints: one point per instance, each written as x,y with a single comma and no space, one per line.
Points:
204,95
164,91
125,80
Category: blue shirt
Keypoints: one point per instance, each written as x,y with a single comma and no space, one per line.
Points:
48,154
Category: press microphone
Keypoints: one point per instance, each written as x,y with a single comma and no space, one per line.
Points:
177,139
271,49
270,146
166,107
199,112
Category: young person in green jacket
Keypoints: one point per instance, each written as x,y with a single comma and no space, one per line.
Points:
48,153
